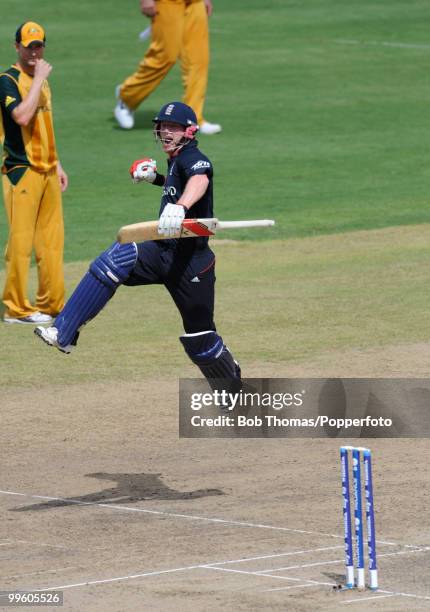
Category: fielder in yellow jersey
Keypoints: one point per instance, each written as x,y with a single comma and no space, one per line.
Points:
33,180
179,29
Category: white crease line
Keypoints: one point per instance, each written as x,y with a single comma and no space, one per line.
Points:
364,599
211,566
338,561
314,582
372,43
187,516
170,571
290,578
387,594
398,593
405,552
287,554
414,595
173,514
291,567
119,578
287,588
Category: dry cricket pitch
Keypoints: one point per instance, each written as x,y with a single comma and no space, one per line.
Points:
101,500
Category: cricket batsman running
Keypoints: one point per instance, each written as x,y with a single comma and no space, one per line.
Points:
185,267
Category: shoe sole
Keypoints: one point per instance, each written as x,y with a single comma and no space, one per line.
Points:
39,334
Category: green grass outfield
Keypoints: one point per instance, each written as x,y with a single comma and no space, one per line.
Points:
279,303
324,105
324,109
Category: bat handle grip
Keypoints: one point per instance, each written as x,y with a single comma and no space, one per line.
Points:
238,224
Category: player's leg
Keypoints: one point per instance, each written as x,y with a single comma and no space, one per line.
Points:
166,37
21,193
195,57
120,264
193,294
106,273
207,350
49,247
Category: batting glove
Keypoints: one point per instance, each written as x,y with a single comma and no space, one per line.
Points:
143,170
171,218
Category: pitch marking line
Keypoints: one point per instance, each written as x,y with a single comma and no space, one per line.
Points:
119,578
292,567
174,570
365,599
211,566
288,588
261,575
386,594
174,514
185,516
339,561
215,567
405,552
294,552
414,595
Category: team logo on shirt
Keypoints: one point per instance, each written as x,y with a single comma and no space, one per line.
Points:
9,100
169,191
201,164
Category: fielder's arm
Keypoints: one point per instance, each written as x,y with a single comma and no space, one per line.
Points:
24,112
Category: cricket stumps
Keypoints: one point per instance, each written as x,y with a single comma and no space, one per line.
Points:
356,454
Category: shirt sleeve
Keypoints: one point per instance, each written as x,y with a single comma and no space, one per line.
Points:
9,94
197,163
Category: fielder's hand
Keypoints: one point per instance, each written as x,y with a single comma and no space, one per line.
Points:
42,69
148,8
143,170
171,219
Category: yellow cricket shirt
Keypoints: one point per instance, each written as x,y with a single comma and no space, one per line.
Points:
31,145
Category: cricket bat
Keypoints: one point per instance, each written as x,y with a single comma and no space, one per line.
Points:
191,228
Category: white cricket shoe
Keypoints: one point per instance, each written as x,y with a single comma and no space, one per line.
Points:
210,128
123,114
49,336
36,318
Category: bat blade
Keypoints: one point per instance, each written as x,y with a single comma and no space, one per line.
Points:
191,228
148,230
138,232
